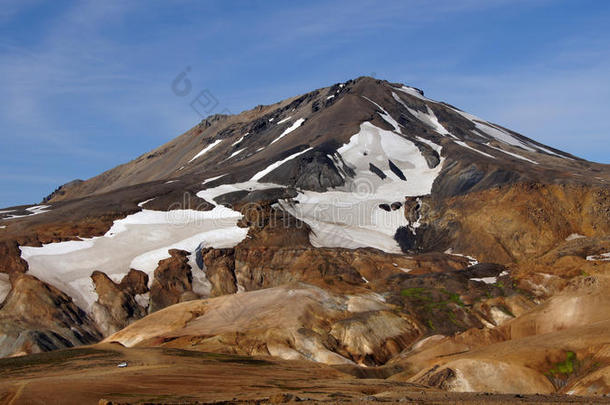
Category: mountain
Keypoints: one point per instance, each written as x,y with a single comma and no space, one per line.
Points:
361,226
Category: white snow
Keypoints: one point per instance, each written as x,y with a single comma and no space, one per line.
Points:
143,203
512,154
575,236
35,210
500,135
217,238
551,152
428,118
331,96
405,269
288,130
412,92
235,153
465,145
437,148
350,216
6,211
206,149
277,164
602,257
284,120
212,179
171,181
483,127
240,139
211,193
137,241
2,226
386,116
38,209
472,260
490,280
486,280
5,286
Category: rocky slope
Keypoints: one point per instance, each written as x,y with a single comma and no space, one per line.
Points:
361,224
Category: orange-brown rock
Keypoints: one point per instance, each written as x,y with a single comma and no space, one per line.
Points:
173,281
116,306
135,282
514,223
37,317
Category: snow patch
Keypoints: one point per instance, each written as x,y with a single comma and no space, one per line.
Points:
240,139
465,145
143,203
412,92
284,120
575,236
35,210
206,149
437,148
212,179
211,193
472,261
277,164
428,118
486,280
603,257
385,115
137,241
235,153
501,135
511,154
288,130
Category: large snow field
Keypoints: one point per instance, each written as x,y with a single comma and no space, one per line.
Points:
138,241
350,216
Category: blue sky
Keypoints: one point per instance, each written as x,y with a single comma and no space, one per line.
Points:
88,85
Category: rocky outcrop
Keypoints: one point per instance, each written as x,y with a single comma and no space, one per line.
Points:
61,190
220,270
173,281
374,337
10,258
539,219
37,317
116,306
135,282
313,170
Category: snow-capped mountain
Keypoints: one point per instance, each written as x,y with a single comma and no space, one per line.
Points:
376,200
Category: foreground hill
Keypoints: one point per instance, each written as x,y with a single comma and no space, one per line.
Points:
362,226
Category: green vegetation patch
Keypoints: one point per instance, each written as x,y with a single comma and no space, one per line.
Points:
566,367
